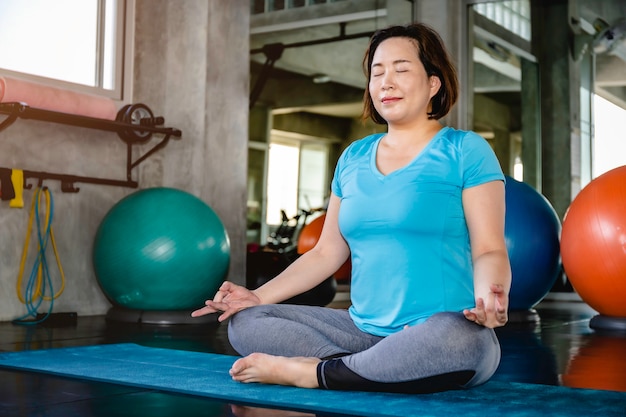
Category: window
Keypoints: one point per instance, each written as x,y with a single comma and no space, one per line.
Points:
312,184
297,176
264,6
282,181
609,148
67,42
513,15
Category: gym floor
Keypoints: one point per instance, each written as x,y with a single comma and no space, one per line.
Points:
559,349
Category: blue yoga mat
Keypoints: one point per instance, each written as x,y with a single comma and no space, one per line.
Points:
206,374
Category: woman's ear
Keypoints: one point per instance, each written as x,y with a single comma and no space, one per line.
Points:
435,85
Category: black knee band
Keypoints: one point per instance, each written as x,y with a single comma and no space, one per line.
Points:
335,375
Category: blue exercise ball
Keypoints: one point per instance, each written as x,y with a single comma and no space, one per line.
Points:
532,232
160,249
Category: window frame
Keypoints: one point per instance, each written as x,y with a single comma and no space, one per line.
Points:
124,59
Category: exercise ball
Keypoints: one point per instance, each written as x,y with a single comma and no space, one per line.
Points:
160,249
532,232
308,238
310,234
593,245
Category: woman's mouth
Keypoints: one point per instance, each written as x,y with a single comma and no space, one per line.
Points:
388,100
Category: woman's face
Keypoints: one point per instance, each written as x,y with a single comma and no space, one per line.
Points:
399,86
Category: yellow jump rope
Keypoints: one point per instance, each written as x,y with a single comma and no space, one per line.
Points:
39,287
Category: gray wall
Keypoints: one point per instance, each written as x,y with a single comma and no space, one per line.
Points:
191,67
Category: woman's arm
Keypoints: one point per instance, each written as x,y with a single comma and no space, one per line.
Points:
484,207
310,269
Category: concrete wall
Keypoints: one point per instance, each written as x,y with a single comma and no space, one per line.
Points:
191,67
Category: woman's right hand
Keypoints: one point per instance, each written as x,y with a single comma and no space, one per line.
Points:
229,299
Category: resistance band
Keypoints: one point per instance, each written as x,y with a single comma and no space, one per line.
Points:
39,282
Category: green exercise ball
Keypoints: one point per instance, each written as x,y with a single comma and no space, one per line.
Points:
160,249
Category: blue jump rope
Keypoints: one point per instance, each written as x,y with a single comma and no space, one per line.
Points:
40,282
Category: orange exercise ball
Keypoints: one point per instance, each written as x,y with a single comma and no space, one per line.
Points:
593,243
308,238
310,234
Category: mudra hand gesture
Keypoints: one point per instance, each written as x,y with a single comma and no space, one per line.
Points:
490,311
229,299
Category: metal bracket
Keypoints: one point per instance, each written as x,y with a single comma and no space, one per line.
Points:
134,124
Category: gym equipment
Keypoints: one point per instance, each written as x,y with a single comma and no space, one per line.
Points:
310,234
140,115
532,233
39,286
264,263
160,249
284,237
134,124
263,266
592,248
56,99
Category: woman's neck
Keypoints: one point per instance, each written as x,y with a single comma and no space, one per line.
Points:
403,135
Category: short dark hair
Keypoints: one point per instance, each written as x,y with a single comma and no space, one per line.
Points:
433,55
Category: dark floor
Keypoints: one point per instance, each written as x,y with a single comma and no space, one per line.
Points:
559,350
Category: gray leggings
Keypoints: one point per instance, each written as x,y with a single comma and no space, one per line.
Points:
445,352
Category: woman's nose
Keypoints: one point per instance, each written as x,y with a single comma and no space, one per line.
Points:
388,81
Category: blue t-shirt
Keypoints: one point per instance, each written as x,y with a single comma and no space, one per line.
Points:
407,234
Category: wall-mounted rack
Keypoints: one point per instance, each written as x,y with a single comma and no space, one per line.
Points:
134,124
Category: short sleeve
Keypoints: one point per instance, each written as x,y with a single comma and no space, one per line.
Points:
335,185
480,163
356,151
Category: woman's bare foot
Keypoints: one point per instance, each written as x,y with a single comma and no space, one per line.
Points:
269,369
243,411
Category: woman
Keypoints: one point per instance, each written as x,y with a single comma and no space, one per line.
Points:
420,210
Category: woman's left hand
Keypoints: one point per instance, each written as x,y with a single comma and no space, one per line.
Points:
490,311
